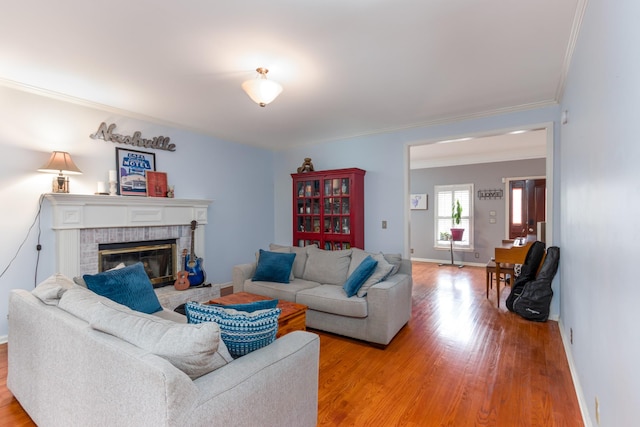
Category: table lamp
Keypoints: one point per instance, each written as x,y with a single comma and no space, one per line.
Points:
60,162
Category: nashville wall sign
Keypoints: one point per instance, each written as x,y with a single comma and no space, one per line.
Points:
157,143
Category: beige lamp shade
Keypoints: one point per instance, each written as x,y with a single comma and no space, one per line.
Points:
261,90
60,162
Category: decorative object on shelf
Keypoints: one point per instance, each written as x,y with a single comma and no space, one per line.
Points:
170,192
261,90
156,184
157,143
495,194
102,189
419,201
60,162
307,166
132,168
113,183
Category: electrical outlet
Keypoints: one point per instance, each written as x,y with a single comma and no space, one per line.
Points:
477,254
597,411
411,250
384,225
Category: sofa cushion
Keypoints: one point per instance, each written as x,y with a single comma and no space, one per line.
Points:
327,267
357,256
274,266
383,269
301,257
332,299
250,307
359,276
129,286
191,348
82,303
50,290
284,250
172,315
395,260
78,280
242,332
281,291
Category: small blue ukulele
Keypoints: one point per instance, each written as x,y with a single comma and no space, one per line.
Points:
193,264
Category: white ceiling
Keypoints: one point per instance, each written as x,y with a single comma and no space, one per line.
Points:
348,68
517,145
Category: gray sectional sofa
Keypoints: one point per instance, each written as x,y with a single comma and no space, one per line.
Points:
376,314
73,362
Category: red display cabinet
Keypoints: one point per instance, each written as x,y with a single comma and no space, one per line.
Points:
328,208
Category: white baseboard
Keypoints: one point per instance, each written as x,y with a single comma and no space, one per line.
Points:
448,262
576,381
4,339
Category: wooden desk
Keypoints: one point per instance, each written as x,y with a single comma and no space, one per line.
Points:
509,254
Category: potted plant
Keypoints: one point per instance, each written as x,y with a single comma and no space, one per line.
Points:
445,236
456,215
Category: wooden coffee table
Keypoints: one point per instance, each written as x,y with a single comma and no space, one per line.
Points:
292,316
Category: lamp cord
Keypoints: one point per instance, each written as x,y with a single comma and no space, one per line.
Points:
38,247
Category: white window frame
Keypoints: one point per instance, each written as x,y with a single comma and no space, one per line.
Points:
442,214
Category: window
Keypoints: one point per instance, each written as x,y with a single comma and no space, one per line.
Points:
446,196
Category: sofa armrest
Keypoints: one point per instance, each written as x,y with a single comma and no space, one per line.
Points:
389,307
240,273
283,374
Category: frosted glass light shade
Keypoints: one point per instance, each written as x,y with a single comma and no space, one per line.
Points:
261,90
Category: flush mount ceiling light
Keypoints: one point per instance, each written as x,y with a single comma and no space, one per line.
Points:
261,90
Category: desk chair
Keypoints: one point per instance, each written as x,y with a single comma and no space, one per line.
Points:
505,269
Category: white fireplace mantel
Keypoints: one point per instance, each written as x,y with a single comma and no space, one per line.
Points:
75,212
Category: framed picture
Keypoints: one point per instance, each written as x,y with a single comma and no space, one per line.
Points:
132,167
156,184
419,201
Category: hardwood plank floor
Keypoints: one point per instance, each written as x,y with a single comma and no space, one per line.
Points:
459,361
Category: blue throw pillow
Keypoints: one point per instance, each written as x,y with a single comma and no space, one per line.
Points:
359,276
274,267
128,286
241,332
250,307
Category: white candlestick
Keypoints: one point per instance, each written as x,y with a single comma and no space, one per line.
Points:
112,176
102,188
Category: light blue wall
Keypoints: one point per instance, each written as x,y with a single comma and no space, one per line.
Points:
600,178
236,177
384,191
385,158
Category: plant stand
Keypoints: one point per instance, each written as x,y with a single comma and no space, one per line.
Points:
452,263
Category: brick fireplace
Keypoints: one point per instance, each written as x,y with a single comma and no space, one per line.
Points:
83,222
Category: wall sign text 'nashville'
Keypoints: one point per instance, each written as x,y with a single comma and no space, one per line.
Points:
158,142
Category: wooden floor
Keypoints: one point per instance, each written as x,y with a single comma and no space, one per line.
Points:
459,361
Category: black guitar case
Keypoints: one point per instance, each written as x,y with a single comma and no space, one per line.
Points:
527,272
535,299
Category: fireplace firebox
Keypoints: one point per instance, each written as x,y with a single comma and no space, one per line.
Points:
157,256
